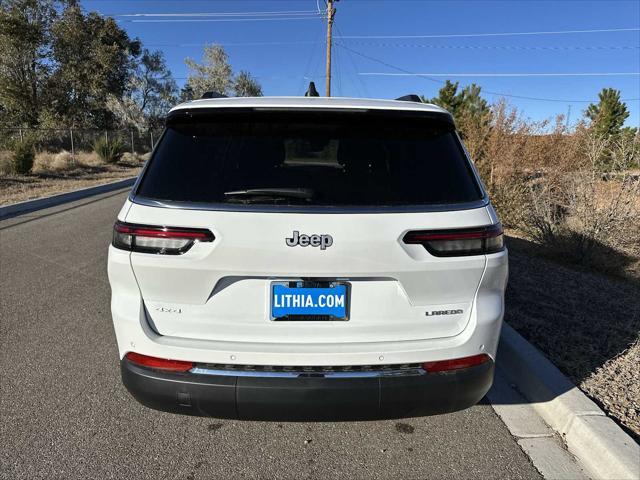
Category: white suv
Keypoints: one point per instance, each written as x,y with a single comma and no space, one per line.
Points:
308,259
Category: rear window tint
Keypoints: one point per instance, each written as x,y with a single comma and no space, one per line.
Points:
335,159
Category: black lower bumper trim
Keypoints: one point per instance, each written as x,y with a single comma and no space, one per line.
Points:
307,399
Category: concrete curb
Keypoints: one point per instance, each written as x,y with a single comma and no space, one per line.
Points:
46,202
600,445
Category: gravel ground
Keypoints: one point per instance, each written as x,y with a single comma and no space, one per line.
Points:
588,324
18,188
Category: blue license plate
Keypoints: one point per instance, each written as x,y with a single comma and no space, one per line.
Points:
331,301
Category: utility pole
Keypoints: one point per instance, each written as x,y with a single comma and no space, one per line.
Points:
330,13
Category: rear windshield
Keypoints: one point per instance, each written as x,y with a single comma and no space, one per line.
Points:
309,158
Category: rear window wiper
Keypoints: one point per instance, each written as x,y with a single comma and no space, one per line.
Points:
301,193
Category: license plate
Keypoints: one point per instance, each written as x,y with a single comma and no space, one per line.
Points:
291,302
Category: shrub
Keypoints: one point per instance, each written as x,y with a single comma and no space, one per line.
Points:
132,158
42,162
550,182
63,161
110,151
23,156
5,162
583,219
89,159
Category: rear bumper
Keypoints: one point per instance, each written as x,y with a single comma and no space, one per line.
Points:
307,399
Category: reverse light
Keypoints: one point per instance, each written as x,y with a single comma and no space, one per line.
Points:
154,239
456,363
159,363
461,242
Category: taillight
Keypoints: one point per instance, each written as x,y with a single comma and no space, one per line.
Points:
162,240
456,363
453,243
159,363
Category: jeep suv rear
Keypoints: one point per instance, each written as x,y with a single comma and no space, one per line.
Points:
308,259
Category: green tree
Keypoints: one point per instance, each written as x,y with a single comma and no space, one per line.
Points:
470,111
94,57
244,85
472,103
608,115
186,94
448,98
24,65
151,92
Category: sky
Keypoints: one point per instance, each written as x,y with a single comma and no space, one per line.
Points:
435,39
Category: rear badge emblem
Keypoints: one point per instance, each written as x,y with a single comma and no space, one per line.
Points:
168,310
442,312
322,241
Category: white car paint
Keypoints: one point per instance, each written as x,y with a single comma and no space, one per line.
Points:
211,304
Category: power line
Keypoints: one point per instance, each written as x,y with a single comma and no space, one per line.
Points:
409,45
273,77
435,80
364,91
494,34
312,55
235,44
543,74
219,14
501,47
187,20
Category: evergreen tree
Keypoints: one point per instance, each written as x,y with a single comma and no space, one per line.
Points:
94,58
449,98
24,53
608,115
470,111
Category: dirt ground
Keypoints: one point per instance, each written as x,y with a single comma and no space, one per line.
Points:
18,188
587,324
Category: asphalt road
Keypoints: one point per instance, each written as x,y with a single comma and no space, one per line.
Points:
65,414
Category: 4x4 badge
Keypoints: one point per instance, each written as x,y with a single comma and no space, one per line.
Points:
322,241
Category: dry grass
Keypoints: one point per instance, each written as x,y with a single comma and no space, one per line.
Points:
18,188
59,172
588,324
47,162
89,159
134,159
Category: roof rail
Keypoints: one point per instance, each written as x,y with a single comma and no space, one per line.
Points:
412,97
213,94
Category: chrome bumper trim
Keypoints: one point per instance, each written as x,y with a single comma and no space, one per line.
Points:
310,374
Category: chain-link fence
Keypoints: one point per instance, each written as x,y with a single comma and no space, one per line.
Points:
79,139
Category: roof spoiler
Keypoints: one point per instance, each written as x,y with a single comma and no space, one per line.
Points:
412,97
213,94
